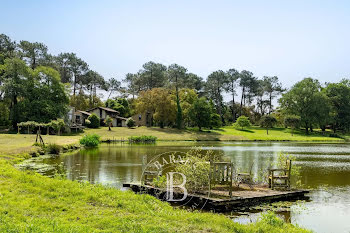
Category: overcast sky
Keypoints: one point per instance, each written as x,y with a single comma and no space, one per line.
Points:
291,40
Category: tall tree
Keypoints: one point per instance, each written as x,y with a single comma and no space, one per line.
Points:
134,84
177,75
339,95
46,98
113,85
14,76
153,75
262,104
193,81
273,88
72,69
306,100
64,66
215,85
159,104
7,48
92,81
34,54
200,113
245,80
231,85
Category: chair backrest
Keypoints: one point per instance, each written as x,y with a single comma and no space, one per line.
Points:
251,169
221,172
289,167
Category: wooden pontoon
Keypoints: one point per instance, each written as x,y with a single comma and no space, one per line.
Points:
220,201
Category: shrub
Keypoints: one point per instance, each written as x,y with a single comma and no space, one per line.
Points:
130,123
92,140
160,182
241,122
94,121
292,121
215,120
142,139
108,122
268,122
196,168
57,125
53,148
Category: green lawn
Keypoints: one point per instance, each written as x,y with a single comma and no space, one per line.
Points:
227,133
22,143
30,202
276,134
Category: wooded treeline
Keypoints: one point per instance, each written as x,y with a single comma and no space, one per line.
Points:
38,86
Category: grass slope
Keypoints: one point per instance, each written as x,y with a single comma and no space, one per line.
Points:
227,133
32,203
22,143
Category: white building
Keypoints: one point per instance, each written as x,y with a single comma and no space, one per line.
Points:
103,112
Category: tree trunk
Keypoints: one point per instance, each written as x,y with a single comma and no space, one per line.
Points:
179,110
267,130
14,111
233,104
270,103
233,107
243,90
74,84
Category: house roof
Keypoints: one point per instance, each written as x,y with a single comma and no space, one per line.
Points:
85,113
106,109
123,118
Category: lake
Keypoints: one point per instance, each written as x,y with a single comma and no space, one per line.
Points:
325,169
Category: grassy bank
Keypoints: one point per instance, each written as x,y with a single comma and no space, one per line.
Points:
227,133
32,203
22,143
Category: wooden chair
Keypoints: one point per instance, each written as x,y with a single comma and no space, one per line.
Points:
280,177
150,171
246,178
221,173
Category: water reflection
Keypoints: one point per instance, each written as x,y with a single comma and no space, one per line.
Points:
324,168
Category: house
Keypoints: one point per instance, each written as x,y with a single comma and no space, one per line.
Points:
144,119
103,112
76,119
81,116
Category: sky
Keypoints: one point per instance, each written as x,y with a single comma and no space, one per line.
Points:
289,39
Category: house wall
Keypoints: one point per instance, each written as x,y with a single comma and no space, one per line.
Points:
97,112
123,123
114,122
142,121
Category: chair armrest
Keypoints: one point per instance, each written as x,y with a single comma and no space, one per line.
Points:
277,169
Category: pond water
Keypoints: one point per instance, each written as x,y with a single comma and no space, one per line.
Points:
325,168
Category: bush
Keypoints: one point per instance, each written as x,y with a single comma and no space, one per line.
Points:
267,122
292,121
215,120
241,122
53,148
92,140
196,168
142,139
130,123
57,125
94,121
